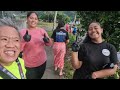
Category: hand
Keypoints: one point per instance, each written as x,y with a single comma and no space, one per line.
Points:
75,47
46,39
94,76
27,37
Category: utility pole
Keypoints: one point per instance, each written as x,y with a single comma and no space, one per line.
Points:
54,23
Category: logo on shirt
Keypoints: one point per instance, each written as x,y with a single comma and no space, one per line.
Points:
106,52
60,36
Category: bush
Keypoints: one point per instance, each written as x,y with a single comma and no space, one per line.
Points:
49,33
69,70
72,38
68,66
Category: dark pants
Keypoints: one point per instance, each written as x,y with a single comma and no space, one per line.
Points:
36,72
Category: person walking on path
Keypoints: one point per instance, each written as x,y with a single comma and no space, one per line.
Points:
60,39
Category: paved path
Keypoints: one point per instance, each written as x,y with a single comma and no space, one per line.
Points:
49,72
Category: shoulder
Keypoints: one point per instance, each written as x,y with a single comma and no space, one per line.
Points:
109,45
42,30
64,30
85,44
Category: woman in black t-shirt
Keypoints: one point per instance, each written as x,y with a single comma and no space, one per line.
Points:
95,59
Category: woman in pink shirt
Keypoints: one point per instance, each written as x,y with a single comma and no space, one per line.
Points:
33,43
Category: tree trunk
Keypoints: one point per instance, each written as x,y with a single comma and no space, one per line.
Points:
54,24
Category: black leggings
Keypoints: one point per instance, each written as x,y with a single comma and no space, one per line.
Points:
35,72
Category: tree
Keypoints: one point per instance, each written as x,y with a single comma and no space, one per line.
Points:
50,15
109,21
70,14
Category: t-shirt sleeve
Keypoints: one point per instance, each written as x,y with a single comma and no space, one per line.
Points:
113,55
81,52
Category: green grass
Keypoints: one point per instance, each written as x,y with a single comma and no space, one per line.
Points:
45,24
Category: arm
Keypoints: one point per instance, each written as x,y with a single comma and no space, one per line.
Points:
75,61
77,56
108,72
104,73
49,43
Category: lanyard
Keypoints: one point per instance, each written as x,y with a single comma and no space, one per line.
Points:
20,69
10,74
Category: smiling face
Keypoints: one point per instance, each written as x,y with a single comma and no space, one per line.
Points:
95,31
9,45
32,20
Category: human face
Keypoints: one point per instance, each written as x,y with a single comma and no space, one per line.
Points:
9,45
32,20
95,31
